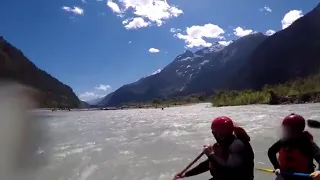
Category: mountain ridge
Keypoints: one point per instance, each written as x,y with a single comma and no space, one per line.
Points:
176,76
228,61
291,53
165,83
255,60
15,66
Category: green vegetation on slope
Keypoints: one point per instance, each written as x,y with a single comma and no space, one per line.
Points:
168,102
233,98
297,91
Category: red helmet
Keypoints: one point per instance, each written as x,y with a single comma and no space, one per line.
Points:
294,121
222,125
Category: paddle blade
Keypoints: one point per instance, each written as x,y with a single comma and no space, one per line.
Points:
284,173
313,123
265,170
194,161
301,174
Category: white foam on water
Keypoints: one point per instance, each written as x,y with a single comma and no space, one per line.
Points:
125,152
142,144
87,172
176,133
181,125
98,149
74,151
164,176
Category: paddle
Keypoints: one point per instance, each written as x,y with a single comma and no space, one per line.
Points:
310,122
313,123
194,161
284,173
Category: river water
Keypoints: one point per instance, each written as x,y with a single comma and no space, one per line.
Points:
151,144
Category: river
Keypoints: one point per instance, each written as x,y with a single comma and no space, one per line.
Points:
151,144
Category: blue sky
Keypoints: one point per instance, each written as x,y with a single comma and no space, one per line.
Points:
96,46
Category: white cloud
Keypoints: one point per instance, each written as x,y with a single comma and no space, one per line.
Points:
113,6
154,11
100,91
130,42
174,30
136,23
225,43
90,96
154,50
270,32
84,1
195,35
103,87
126,21
290,17
266,9
240,32
76,10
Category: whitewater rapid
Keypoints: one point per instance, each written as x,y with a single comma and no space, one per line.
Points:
149,144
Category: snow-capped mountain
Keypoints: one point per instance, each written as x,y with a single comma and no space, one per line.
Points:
224,64
288,54
179,76
245,63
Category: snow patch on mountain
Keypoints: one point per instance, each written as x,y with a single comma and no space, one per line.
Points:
214,48
204,62
185,59
197,56
156,72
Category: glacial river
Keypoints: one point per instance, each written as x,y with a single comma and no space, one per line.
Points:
150,144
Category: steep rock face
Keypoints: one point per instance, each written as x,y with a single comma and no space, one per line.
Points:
288,54
15,66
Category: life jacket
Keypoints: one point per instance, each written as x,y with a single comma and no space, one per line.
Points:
293,160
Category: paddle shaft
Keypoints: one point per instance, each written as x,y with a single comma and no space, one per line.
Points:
285,173
194,161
